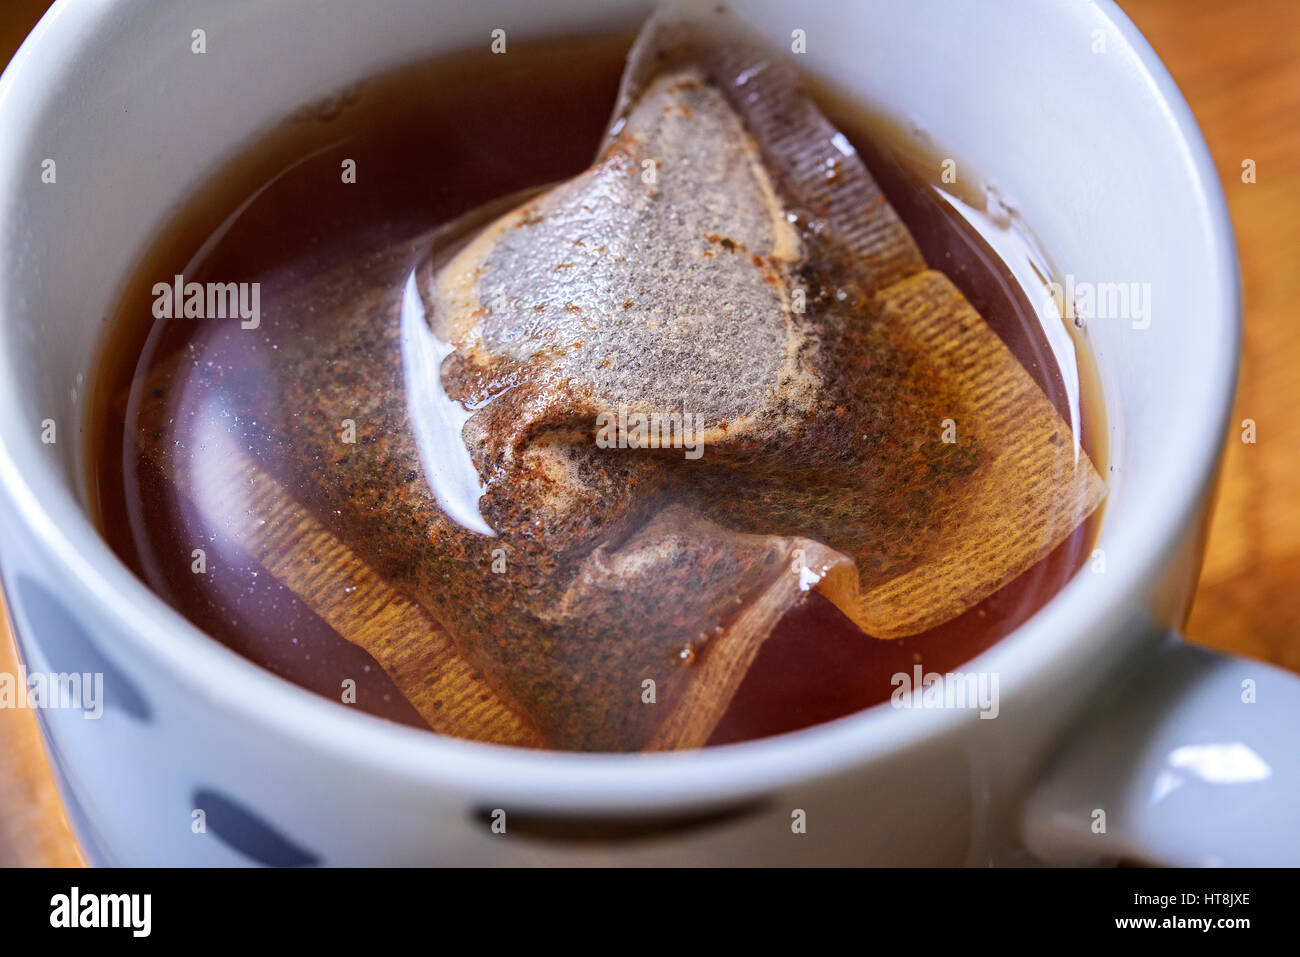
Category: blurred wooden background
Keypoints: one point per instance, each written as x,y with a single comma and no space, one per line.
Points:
1239,66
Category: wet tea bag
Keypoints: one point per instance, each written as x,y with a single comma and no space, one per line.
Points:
607,438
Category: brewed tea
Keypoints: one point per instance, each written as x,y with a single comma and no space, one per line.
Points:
402,468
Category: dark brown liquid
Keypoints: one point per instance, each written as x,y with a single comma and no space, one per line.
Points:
431,142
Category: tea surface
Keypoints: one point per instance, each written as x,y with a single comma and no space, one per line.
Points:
430,142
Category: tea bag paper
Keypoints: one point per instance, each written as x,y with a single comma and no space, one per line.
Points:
703,377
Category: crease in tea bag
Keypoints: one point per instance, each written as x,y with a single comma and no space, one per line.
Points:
701,378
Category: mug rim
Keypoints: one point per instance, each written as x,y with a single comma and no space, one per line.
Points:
226,680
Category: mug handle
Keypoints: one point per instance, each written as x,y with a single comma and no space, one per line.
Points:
1192,761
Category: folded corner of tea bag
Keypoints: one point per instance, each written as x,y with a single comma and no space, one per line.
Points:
823,184
680,609
1032,483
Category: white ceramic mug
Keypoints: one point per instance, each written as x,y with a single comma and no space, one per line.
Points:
1100,708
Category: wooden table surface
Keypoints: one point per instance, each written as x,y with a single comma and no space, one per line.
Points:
1239,66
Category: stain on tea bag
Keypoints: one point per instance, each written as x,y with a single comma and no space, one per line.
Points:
726,280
